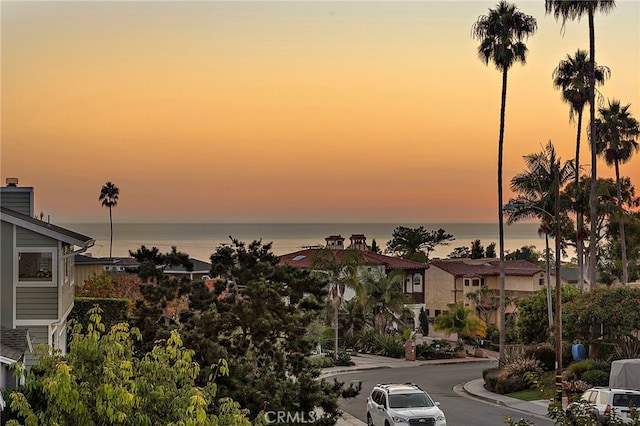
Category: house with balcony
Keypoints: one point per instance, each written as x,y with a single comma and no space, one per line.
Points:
414,272
450,281
37,282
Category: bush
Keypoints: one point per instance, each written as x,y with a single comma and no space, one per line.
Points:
390,345
321,362
512,378
544,353
424,351
344,359
114,311
576,369
490,376
596,377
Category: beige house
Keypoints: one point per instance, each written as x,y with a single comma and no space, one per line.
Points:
414,272
451,280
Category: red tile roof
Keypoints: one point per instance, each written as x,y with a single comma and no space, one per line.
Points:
303,258
485,267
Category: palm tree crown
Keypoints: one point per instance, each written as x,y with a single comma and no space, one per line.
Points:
571,76
616,133
502,33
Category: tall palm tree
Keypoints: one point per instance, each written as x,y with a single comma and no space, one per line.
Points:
535,189
616,134
501,34
385,297
570,10
109,197
571,76
340,269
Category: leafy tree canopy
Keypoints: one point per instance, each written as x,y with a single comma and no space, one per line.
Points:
417,243
101,382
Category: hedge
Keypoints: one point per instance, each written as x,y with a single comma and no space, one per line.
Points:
114,311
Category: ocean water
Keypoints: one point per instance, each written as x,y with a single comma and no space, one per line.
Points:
200,240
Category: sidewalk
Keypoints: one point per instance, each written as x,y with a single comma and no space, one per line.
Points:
474,388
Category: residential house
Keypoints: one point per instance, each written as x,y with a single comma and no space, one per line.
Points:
15,344
37,282
449,281
414,272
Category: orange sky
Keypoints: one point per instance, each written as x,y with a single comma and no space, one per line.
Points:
284,111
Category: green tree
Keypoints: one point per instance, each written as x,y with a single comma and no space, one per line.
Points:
109,197
340,270
424,321
162,296
477,250
490,251
571,76
100,382
258,316
416,243
374,246
462,252
604,313
461,320
616,134
570,10
502,33
385,298
486,302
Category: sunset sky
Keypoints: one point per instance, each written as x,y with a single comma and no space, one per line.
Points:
296,111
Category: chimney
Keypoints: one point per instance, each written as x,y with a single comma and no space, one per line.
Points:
16,198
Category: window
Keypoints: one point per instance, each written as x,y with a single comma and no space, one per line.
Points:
437,312
466,282
417,283
35,266
475,282
541,281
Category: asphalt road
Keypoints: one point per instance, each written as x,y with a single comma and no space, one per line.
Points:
439,381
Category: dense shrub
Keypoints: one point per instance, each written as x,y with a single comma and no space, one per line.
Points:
390,345
424,351
114,311
596,377
344,359
575,370
544,353
511,377
490,376
321,362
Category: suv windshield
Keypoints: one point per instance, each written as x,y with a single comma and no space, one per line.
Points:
626,400
408,400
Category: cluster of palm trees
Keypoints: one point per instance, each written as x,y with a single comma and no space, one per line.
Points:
502,34
378,296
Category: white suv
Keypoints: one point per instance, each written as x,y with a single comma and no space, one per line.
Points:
403,404
604,400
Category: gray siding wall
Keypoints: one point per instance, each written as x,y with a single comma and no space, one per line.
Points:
27,238
68,291
17,199
6,275
34,303
41,335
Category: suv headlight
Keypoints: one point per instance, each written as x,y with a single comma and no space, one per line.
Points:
398,419
440,417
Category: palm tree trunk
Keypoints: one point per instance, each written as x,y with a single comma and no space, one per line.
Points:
623,243
110,234
593,201
579,234
503,327
549,300
336,308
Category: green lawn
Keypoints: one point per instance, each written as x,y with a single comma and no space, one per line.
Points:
548,389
